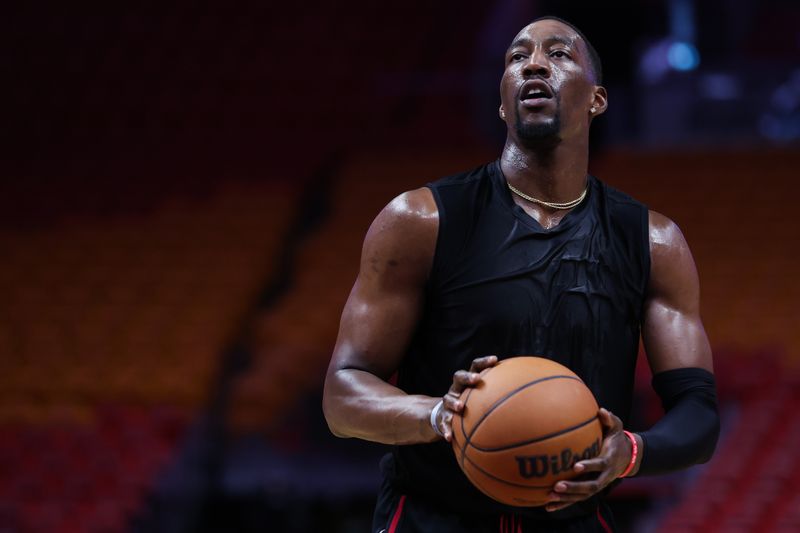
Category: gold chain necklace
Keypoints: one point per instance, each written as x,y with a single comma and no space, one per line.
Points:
551,205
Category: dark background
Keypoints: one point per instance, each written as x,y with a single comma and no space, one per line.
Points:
184,193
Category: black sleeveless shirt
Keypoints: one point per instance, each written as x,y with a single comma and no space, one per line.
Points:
501,284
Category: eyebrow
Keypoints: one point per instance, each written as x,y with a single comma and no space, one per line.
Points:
524,41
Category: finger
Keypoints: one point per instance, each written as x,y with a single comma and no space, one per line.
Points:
568,490
590,486
598,464
482,363
580,490
446,425
466,378
557,506
609,420
463,379
452,402
567,498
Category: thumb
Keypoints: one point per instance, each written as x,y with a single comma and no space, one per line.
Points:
607,419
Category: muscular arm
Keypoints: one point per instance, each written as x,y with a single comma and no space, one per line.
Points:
677,346
377,323
680,357
672,331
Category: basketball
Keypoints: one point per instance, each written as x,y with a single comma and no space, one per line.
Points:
523,428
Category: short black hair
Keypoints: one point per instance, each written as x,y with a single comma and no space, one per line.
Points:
594,57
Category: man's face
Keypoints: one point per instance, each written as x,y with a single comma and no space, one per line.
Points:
547,87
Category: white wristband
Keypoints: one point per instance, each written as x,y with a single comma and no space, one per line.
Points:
434,414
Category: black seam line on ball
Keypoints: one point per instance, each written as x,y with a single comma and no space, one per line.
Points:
537,439
485,372
501,480
502,400
464,431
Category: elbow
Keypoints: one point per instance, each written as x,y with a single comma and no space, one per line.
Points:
711,440
331,411
333,424
336,432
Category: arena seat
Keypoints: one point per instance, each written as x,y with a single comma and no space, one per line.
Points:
111,335
724,203
749,484
93,476
296,335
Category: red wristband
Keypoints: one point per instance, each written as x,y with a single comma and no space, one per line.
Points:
634,453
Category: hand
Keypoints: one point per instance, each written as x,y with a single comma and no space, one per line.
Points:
452,402
615,454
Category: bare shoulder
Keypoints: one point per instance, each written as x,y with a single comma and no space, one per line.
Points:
672,328
402,238
665,235
415,207
672,268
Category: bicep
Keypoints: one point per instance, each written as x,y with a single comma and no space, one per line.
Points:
385,304
672,330
375,329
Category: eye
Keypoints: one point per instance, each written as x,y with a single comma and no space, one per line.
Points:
562,52
517,56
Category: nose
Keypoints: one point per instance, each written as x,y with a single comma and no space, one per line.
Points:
537,64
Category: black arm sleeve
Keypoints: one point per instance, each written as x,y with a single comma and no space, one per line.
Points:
688,432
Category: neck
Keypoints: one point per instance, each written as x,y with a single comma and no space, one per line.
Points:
553,173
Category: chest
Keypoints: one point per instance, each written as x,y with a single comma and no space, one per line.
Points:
527,280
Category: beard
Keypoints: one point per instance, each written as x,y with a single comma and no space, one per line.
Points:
539,132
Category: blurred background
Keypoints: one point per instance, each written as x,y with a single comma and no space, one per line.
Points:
186,186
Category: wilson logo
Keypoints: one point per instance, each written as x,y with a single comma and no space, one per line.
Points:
532,466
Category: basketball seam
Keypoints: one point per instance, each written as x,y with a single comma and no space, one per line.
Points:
468,438
456,446
463,430
537,439
501,480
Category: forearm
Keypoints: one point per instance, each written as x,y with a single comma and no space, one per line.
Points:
687,434
359,404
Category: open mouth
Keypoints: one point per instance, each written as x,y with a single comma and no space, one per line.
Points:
535,93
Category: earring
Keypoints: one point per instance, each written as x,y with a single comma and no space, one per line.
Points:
502,114
592,111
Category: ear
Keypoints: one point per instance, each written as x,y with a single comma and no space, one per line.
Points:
599,102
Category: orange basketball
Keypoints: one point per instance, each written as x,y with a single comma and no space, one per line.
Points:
523,428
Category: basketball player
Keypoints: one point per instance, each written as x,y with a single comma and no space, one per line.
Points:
528,254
